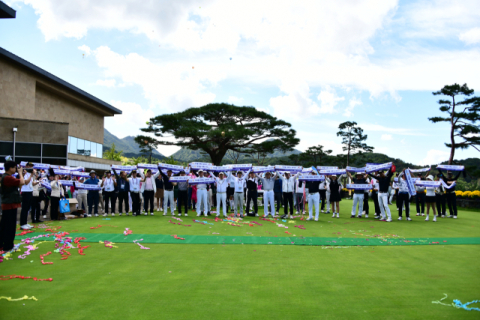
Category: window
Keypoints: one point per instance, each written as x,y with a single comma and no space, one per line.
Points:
28,149
72,144
54,151
6,148
80,146
85,147
87,150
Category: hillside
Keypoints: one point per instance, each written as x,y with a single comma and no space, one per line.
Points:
127,145
187,155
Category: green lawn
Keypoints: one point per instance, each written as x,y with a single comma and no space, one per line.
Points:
223,281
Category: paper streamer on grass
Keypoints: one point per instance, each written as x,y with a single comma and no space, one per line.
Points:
410,184
450,167
457,304
141,247
19,299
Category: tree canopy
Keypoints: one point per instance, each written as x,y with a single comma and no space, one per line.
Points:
147,145
219,127
461,116
353,139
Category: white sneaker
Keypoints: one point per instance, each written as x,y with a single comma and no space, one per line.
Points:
366,216
423,214
89,215
454,217
434,218
443,216
323,211
389,220
146,213
164,213
198,214
276,213
120,214
96,214
218,215
316,219
161,209
426,219
309,219
113,214
25,227
399,218
126,214
104,214
408,219
363,212
179,214
186,214
151,213
333,215
418,214
338,215
173,214
291,217
44,216
296,213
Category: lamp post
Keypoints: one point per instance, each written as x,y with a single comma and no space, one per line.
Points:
14,139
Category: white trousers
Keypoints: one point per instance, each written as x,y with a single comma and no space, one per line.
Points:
327,195
383,204
202,199
268,197
222,200
82,198
239,202
168,195
357,199
313,200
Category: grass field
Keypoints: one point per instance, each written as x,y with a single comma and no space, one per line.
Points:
250,281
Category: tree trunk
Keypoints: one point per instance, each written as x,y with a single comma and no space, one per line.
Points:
452,136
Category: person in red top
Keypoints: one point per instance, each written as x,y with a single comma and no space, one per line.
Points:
11,200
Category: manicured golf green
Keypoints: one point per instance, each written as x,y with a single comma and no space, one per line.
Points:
189,280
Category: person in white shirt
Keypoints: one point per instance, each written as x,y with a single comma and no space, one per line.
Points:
27,194
299,191
82,198
268,182
202,196
134,183
101,205
149,189
288,187
231,193
57,191
430,200
222,185
36,198
403,196
239,190
109,183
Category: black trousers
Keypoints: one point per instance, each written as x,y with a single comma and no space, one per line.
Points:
26,204
452,203
8,224
441,201
366,207
109,196
396,197
252,195
92,201
278,200
375,202
323,198
35,209
55,201
148,196
420,201
288,201
135,202
404,198
182,199
122,199
45,197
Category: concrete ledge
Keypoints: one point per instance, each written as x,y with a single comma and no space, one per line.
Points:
76,160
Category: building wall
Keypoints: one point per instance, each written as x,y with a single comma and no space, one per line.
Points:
24,95
34,131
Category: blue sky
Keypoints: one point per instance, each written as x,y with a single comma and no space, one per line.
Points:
313,63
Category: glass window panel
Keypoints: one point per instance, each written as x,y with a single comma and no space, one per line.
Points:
58,162
27,159
87,148
28,149
99,150
72,146
54,151
6,148
80,146
93,149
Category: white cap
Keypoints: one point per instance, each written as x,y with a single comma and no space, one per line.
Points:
430,177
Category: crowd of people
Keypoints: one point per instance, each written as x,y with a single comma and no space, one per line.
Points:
142,190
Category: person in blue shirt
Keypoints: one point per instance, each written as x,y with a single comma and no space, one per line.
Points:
277,189
92,196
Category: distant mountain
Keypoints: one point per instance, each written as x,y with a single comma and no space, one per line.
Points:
128,145
187,155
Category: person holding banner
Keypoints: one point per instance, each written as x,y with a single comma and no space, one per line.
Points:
134,183
335,187
11,201
440,198
222,185
358,194
36,199
383,182
149,189
252,193
57,192
288,187
183,195
277,189
375,187
82,198
268,183
26,192
313,196
239,190
323,196
92,195
420,197
109,184
450,192
123,187
299,191
202,196
100,195
403,196
430,200
159,193
167,192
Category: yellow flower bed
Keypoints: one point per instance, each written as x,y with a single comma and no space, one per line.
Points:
468,194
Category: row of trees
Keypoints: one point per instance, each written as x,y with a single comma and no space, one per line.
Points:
226,131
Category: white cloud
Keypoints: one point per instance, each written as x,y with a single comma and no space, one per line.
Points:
109,83
435,157
328,100
399,131
471,36
234,100
386,137
352,104
133,118
85,49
